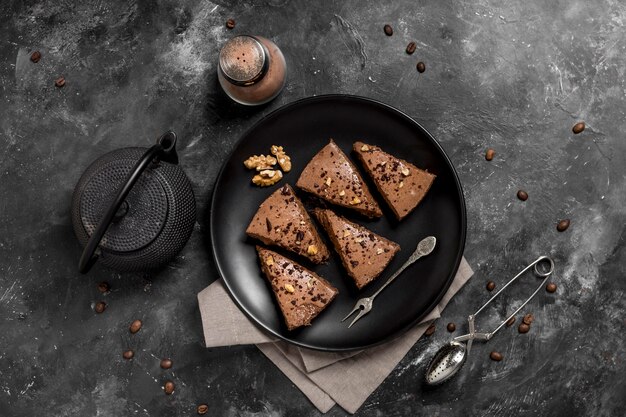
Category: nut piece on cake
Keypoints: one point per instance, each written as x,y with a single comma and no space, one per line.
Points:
300,293
364,254
402,184
331,176
282,220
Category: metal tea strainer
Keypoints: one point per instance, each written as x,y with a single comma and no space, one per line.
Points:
452,356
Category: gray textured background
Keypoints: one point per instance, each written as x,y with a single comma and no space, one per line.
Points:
512,75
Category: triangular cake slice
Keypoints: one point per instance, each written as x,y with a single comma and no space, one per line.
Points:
301,294
402,184
364,254
282,220
331,176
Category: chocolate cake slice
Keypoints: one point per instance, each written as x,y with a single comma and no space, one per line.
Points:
363,253
300,293
282,220
402,184
331,176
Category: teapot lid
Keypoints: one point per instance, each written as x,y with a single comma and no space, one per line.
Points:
143,214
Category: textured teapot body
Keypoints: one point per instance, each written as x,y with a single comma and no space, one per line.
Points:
152,224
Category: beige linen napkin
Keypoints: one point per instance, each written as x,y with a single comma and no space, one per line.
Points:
325,378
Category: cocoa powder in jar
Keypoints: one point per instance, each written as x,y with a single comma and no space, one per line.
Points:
252,70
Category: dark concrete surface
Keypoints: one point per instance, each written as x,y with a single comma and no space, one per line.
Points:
512,75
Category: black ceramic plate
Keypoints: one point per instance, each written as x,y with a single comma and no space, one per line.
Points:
303,128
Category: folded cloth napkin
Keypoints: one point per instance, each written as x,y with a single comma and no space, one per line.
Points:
326,378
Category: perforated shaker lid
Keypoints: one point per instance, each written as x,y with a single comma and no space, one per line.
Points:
243,60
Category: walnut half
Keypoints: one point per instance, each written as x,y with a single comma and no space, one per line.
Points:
267,177
260,161
284,160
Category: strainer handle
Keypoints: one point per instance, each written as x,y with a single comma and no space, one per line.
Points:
539,273
165,150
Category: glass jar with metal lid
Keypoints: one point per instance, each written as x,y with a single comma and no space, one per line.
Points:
251,70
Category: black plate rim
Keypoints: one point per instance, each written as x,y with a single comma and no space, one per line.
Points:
344,97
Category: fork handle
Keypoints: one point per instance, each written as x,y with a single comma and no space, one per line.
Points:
412,259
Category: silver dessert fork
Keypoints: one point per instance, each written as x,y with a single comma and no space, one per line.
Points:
364,305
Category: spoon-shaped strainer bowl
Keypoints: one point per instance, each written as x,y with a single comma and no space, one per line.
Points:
446,363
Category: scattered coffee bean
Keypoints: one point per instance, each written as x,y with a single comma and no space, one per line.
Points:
410,48
35,56
451,327
551,287
523,328
522,195
528,319
59,82
230,23
388,30
491,286
495,356
490,154
100,307
104,287
166,363
202,409
431,329
421,67
510,321
578,127
562,225
128,354
168,388
135,326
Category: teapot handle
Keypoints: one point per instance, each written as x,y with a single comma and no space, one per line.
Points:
164,150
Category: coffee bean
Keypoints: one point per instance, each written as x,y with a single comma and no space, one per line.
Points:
490,154
578,127
528,319
421,67
168,388
166,363
562,225
202,409
491,286
59,82
523,328
410,48
104,287
135,326
230,23
451,327
128,354
388,30
431,329
522,195
551,287
35,56
495,356
510,321
100,307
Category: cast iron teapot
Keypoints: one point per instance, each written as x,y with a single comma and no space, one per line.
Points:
134,209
